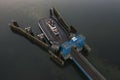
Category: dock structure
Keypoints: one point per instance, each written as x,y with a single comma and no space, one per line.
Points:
85,66
72,47
16,28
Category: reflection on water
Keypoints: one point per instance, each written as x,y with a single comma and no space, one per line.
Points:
98,20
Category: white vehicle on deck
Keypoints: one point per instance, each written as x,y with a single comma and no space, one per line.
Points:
52,26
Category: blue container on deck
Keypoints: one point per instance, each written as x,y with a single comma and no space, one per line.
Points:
66,47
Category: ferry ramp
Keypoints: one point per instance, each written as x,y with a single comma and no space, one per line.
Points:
85,66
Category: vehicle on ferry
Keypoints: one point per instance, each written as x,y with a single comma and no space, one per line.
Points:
53,27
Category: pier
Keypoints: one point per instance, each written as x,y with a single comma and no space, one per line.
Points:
55,49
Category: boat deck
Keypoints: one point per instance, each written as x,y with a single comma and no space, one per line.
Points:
62,37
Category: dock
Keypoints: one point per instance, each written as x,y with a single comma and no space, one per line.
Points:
53,48
85,66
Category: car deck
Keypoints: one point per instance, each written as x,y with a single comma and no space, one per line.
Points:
62,37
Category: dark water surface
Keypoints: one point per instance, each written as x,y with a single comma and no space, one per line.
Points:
98,20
